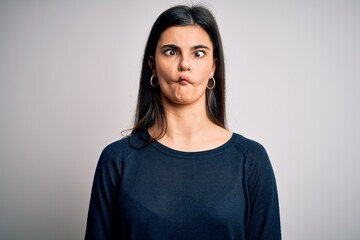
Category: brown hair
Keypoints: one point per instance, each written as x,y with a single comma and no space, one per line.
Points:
149,108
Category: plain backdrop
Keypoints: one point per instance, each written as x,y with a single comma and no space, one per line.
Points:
69,75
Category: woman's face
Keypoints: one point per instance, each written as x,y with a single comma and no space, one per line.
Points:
183,64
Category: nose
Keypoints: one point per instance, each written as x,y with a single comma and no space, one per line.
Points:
184,65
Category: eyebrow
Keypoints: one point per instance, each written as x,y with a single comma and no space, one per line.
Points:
173,46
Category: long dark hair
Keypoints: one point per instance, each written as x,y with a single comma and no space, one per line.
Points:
149,109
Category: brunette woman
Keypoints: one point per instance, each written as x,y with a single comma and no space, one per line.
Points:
181,174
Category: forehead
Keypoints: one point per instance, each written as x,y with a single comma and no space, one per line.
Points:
190,35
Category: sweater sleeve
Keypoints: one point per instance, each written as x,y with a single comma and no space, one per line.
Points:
263,213
101,215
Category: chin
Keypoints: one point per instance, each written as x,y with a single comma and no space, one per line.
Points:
179,101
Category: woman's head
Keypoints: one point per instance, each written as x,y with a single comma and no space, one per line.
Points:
149,106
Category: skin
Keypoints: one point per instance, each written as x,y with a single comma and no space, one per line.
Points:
183,64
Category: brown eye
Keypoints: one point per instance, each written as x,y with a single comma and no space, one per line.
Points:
170,52
199,54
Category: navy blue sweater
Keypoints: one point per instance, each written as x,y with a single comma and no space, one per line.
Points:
152,192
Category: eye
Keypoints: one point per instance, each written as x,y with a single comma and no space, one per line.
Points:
199,54
170,52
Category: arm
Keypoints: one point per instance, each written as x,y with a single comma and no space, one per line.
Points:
263,212
101,216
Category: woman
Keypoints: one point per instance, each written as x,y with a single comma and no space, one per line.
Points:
181,174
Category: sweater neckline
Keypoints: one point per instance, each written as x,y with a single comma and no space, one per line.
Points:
192,154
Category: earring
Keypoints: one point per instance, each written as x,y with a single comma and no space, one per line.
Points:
151,81
213,83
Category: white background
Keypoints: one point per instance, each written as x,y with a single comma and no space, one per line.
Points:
69,75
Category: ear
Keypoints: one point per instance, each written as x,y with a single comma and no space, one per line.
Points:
151,63
213,68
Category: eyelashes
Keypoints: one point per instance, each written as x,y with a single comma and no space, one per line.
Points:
199,53
174,52
170,52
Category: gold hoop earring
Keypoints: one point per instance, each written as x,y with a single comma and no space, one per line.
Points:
151,81
213,84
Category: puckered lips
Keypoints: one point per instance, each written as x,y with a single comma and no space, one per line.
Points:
184,80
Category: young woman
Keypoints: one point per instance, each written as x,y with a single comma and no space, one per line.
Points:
181,174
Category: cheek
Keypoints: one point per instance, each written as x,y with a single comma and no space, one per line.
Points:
207,70
162,74
164,69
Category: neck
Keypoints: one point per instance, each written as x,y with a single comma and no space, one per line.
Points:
187,123
188,128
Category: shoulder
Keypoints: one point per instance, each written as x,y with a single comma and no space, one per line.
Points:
123,148
256,157
118,151
249,147
111,157
116,148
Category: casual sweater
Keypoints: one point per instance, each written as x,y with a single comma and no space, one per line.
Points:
149,191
